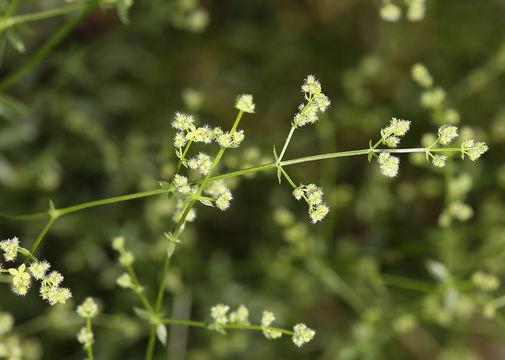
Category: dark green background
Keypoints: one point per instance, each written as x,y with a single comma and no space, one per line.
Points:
92,120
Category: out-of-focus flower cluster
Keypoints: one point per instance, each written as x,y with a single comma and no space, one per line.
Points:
391,12
219,314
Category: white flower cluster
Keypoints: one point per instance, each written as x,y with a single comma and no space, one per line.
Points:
85,337
181,184
240,316
433,98
316,102
302,335
473,149
391,12
88,310
219,313
187,131
229,140
50,289
389,164
221,193
391,134
313,195
10,248
126,259
201,162
245,103
267,319
447,133
421,75
10,347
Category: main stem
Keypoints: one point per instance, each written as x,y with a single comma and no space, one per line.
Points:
175,235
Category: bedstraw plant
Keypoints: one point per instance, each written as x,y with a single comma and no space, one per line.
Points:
196,182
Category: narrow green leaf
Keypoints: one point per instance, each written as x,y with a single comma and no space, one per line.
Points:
164,184
51,206
141,313
170,248
161,332
207,202
122,11
15,40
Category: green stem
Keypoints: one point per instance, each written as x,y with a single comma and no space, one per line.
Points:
138,290
287,177
111,200
227,326
175,235
407,283
89,348
151,343
286,143
44,14
41,235
183,155
47,47
74,208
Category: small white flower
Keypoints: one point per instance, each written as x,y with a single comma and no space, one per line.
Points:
267,319
421,75
245,103
240,316
118,243
125,281
417,9
85,337
447,133
390,12
182,121
223,201
439,160
10,248
302,335
88,309
317,213
389,164
218,313
38,269
299,192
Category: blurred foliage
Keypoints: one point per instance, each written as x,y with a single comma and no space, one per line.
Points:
383,277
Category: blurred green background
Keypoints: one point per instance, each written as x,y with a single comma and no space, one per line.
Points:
92,120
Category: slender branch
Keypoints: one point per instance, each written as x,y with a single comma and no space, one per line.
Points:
286,143
44,14
111,200
143,194
89,348
227,326
41,236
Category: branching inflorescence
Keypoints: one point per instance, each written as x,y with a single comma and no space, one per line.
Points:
212,191
50,289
